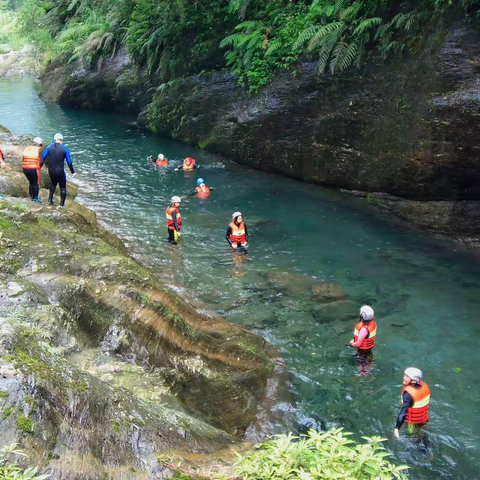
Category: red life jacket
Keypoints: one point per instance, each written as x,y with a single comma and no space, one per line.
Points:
189,163
202,192
369,341
161,163
418,412
170,222
238,233
31,158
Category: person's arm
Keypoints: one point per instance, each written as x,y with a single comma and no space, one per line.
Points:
179,168
362,335
44,156
69,160
174,218
195,165
229,232
246,234
407,403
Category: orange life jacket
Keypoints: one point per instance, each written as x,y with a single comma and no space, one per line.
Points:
189,163
369,341
202,192
238,233
31,157
418,412
161,163
170,222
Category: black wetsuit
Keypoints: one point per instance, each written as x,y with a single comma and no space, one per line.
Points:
57,154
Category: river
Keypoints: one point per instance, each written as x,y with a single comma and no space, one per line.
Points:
426,293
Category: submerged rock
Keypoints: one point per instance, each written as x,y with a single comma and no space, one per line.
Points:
296,284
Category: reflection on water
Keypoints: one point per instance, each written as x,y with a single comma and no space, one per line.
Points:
426,294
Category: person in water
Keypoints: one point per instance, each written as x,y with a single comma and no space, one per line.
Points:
161,160
188,164
57,153
174,220
237,234
415,398
201,190
364,336
31,164
365,330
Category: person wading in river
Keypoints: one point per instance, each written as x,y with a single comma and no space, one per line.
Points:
237,234
188,164
174,220
415,398
364,336
161,160
57,153
201,190
31,164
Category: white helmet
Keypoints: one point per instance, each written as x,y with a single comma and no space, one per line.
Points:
176,199
58,136
37,141
236,214
366,313
414,373
161,156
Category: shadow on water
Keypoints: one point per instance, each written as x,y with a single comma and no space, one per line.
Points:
426,293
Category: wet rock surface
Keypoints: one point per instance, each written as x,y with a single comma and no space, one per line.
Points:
102,367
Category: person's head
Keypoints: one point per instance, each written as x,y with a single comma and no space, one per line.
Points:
200,181
176,201
58,138
189,160
237,217
366,313
412,376
161,156
37,141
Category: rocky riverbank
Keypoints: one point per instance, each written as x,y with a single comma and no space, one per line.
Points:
409,130
105,373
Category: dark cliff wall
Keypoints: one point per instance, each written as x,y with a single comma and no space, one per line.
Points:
409,130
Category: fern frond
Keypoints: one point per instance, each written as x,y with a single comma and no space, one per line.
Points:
255,42
338,27
338,55
351,12
273,46
233,39
249,25
367,25
306,34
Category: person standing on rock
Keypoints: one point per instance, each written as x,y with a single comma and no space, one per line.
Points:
415,397
174,220
57,153
237,233
31,164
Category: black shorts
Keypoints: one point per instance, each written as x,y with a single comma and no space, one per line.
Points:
33,175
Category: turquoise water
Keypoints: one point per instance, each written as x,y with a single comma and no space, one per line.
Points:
426,293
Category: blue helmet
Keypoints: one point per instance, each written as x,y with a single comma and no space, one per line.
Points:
200,181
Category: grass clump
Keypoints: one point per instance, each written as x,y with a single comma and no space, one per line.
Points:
25,424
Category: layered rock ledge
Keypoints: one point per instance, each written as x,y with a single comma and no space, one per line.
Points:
103,369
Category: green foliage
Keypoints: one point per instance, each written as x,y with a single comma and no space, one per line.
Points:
319,456
25,424
11,471
255,38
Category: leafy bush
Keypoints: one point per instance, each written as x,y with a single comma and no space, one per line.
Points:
11,471
325,455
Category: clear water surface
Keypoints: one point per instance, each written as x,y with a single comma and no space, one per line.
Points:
426,293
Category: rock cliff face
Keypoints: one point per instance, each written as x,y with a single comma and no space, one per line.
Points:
103,371
408,129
